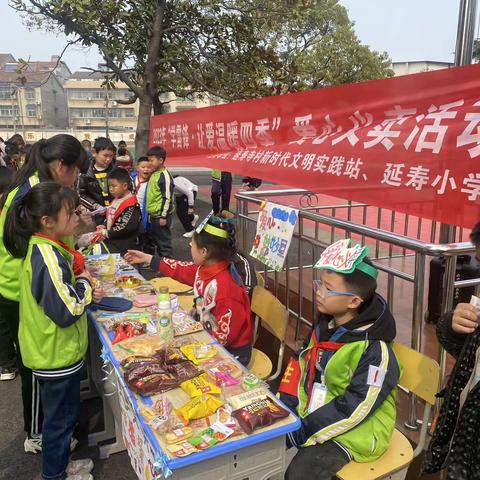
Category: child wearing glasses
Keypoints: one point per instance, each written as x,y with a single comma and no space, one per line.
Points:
342,383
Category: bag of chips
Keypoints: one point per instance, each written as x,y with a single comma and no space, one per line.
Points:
200,385
141,371
199,407
135,360
198,352
261,413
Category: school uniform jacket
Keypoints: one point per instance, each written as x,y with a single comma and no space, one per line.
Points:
360,374
53,332
222,302
159,194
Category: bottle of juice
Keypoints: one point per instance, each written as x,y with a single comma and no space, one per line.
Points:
164,322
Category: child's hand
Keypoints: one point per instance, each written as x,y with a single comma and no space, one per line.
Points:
163,222
190,211
98,294
85,274
136,256
464,318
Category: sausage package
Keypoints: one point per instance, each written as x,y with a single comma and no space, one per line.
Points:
261,413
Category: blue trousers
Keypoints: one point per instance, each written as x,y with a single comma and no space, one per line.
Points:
61,409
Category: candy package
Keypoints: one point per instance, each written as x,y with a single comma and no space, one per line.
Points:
261,413
156,383
199,407
199,386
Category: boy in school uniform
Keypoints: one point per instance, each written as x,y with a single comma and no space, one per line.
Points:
93,185
160,206
124,217
342,383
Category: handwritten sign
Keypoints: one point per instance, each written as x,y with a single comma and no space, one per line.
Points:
275,227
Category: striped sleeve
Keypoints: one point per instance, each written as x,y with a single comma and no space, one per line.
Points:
165,184
365,393
63,298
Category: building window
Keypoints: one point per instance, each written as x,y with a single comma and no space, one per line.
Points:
6,111
31,111
129,113
5,92
30,94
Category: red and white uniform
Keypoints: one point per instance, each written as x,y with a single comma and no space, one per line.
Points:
223,305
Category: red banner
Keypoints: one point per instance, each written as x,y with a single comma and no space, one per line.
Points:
411,144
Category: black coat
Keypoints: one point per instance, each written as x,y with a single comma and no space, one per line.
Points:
455,444
89,187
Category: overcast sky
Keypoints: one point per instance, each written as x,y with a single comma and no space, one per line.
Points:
406,30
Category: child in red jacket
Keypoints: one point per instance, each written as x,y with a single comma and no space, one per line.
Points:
221,299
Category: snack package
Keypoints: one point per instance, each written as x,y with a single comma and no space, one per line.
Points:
178,434
168,355
183,324
250,382
145,300
135,360
223,379
181,449
159,423
163,406
261,413
199,407
142,345
198,352
141,371
223,366
224,416
246,398
184,371
156,383
199,386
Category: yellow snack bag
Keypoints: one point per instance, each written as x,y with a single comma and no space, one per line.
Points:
200,385
199,352
199,407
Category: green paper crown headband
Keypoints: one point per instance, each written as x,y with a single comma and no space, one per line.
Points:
211,229
341,258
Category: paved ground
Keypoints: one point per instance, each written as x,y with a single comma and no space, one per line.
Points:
17,465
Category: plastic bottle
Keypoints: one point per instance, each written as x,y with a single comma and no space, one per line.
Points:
164,323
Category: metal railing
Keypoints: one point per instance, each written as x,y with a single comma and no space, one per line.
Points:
399,259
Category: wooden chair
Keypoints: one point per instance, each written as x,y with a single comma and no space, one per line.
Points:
274,317
421,376
260,279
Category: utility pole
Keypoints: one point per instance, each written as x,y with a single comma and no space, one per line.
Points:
467,15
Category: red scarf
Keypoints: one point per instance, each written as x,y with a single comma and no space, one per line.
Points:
311,358
78,258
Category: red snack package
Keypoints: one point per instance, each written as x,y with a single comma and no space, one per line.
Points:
151,384
261,413
120,335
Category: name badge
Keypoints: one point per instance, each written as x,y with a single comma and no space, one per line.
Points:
318,397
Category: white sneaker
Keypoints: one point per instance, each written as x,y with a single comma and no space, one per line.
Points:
78,467
195,220
80,476
189,234
33,444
